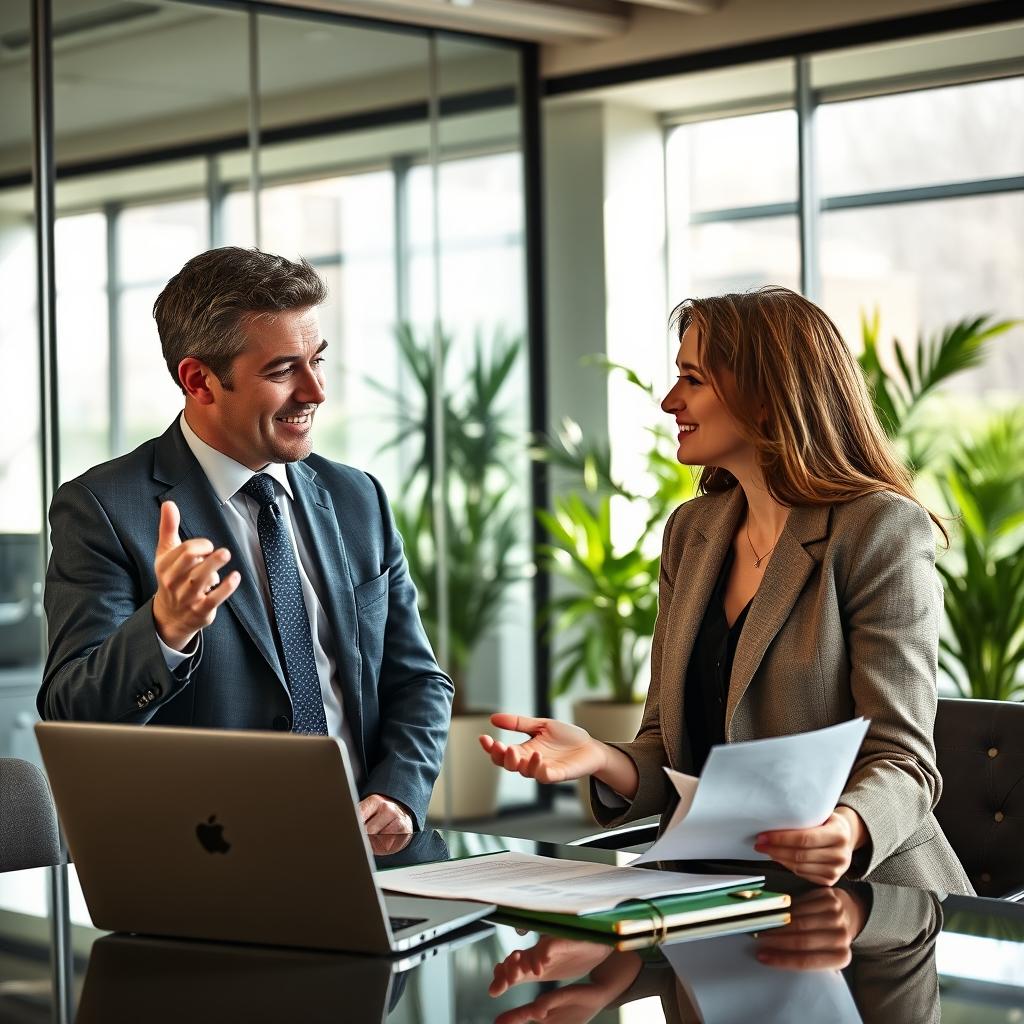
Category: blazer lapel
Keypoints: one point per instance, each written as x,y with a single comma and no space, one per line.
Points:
700,563
315,510
788,571
201,516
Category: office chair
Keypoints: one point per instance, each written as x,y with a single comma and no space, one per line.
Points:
28,821
979,746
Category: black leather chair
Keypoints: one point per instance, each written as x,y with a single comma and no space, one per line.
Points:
28,822
979,747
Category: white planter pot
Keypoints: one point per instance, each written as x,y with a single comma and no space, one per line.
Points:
467,773
605,720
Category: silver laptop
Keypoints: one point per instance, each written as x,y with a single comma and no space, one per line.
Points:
237,836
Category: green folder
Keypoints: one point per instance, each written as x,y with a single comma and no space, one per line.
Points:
640,917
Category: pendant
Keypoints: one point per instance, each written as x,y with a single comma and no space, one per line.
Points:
757,562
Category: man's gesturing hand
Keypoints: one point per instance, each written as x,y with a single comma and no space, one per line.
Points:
186,574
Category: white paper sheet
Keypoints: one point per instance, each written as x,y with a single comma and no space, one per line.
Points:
758,786
731,986
529,882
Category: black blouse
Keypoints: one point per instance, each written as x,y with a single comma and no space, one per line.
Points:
707,676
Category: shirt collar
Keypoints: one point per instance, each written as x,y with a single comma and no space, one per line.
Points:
226,476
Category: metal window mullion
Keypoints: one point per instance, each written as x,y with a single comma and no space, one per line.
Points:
745,213
115,395
216,195
926,193
254,125
44,201
400,167
807,195
43,177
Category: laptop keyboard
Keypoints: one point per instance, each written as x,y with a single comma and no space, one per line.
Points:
398,923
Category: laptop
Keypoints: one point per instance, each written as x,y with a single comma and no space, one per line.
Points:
236,836
167,981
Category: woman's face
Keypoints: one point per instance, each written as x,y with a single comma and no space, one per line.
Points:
708,434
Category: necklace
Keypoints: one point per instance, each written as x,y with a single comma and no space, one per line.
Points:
758,559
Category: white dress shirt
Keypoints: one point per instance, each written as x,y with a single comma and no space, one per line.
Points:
227,478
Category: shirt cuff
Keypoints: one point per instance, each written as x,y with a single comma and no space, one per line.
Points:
608,797
175,659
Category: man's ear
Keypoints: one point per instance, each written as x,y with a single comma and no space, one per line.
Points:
195,377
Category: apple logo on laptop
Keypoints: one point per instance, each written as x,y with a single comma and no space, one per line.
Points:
211,835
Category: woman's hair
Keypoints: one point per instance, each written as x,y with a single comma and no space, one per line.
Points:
798,397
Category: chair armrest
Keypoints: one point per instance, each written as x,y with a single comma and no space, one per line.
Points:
620,838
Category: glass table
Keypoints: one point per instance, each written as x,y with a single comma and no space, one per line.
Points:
856,952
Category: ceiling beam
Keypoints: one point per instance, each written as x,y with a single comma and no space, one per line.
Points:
682,6
535,20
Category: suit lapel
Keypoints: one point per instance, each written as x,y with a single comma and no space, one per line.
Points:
700,563
315,512
788,571
201,516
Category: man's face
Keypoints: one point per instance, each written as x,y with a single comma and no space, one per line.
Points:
277,383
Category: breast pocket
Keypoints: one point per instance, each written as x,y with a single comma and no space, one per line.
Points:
372,591
372,611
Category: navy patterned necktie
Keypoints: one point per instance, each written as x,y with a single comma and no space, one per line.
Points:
289,609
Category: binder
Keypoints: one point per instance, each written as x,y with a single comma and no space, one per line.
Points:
659,916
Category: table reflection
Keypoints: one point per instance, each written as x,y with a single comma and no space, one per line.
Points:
864,953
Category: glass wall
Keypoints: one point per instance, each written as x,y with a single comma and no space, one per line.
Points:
389,157
21,514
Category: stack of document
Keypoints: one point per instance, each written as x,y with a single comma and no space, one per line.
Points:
622,900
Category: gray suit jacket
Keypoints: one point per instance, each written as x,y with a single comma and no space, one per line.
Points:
844,623
104,662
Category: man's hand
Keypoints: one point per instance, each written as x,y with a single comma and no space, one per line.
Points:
381,814
821,855
189,587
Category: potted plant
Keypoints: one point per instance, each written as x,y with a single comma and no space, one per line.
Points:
604,617
481,525
981,480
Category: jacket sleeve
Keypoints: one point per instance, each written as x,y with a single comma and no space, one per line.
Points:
415,696
647,751
104,662
893,602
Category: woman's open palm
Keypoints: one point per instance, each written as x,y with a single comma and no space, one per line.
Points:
555,752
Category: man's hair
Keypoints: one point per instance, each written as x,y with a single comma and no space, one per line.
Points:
205,308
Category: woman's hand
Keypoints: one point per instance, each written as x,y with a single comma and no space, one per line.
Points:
551,959
823,924
555,752
821,855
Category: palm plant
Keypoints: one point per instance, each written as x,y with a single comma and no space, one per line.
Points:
982,481
481,517
609,610
983,653
899,394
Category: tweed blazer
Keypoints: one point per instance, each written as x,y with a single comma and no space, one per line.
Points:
844,623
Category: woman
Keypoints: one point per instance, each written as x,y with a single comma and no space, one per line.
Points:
797,591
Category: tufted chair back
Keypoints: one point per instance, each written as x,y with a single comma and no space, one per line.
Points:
28,821
980,751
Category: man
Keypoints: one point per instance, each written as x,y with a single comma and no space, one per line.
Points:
279,596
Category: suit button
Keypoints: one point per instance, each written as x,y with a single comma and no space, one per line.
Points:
282,723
